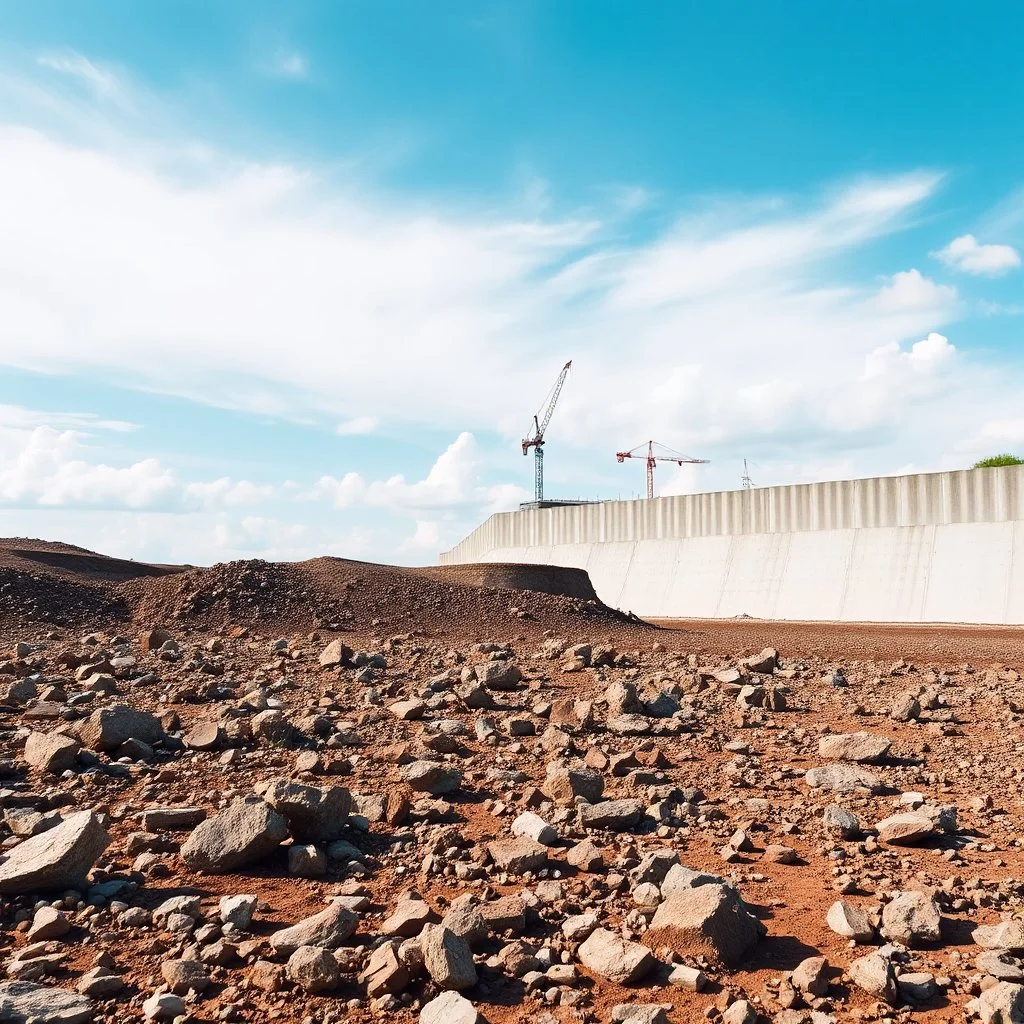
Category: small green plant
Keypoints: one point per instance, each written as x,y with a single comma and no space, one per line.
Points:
998,460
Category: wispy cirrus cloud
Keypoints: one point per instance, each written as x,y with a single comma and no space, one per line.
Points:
102,80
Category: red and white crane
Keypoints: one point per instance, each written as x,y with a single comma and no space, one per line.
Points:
647,451
535,439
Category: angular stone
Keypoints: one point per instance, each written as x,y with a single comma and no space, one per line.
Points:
811,975
849,921
912,918
586,856
107,728
680,878
23,1002
1003,1003
610,956
875,975
314,815
408,918
517,856
184,976
335,654
432,777
860,747
842,778
616,815
328,930
48,923
449,1008
564,785
841,822
243,833
51,752
498,675
59,858
313,969
710,919
447,958
384,973
532,826
1005,935
238,910
905,829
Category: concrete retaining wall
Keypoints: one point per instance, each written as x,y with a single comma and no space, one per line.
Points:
936,547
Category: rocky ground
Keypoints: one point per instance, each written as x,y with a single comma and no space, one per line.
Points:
344,792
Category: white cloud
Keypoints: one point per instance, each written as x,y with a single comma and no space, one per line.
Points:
12,416
45,466
453,482
287,62
102,80
911,290
358,425
967,254
923,357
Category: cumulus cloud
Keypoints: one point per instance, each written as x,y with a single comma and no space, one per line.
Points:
453,482
45,466
923,357
967,254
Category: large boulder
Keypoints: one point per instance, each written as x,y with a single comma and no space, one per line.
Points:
243,833
711,920
314,815
22,1002
51,751
906,829
327,930
58,858
609,955
449,1008
107,728
447,958
616,815
912,918
1003,1003
854,746
843,778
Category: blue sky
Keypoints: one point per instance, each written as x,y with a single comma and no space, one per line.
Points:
278,280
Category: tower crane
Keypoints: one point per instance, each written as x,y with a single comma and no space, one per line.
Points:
538,429
670,456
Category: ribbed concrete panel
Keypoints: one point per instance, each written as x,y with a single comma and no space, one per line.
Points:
814,578
970,570
651,570
755,569
926,547
699,570
888,575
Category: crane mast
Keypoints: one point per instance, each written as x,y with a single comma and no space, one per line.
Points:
541,420
652,460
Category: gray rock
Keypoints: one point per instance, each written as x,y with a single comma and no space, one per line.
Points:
518,856
1007,935
861,747
498,675
842,778
641,1013
23,1002
912,918
163,1006
432,777
1003,1003
327,930
1001,964
51,751
313,969
532,826
610,956
907,829
107,728
616,815
655,865
841,822
564,785
243,833
849,921
447,958
875,975
450,1008
238,910
711,919
314,815
59,858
